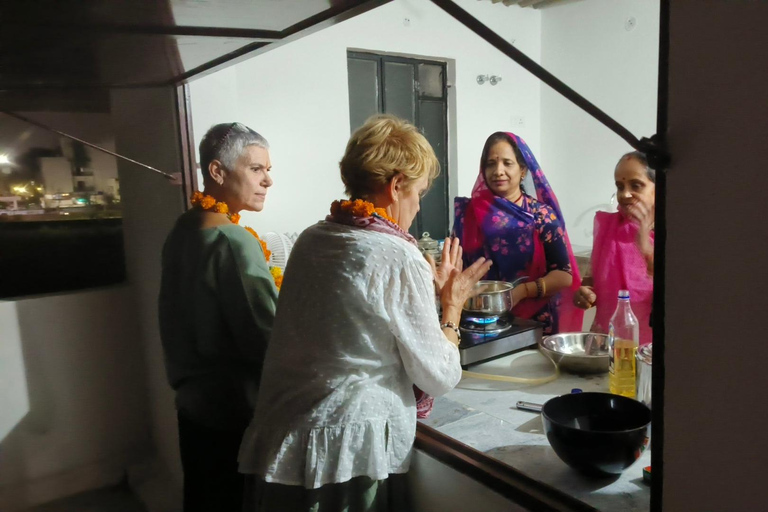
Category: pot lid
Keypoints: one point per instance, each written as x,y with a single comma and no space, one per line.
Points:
645,353
427,243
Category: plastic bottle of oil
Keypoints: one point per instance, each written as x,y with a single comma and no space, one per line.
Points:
623,337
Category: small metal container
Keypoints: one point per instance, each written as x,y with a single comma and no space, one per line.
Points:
644,367
428,245
492,298
577,352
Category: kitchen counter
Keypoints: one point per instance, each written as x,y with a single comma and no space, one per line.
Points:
482,414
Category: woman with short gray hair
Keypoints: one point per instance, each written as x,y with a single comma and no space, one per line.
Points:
216,308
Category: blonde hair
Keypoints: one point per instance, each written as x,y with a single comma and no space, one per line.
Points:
380,149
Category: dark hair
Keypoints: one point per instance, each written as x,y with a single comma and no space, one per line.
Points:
502,137
498,137
643,160
225,142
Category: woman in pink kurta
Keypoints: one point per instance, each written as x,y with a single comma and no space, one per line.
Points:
622,250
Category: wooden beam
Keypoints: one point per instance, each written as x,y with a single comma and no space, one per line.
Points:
110,29
510,483
545,3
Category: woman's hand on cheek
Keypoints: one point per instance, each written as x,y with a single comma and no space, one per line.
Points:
643,215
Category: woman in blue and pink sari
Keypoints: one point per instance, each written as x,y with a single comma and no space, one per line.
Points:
524,236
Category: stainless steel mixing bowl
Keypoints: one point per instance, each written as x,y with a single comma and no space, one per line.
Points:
577,352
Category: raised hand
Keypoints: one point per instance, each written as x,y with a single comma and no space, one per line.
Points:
451,260
460,285
643,215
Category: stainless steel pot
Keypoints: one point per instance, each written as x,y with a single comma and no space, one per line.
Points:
491,298
644,367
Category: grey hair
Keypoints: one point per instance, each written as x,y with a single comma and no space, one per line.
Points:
643,160
225,142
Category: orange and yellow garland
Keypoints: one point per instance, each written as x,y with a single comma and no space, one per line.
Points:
359,208
210,203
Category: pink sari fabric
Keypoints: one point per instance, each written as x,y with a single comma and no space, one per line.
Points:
484,208
424,402
617,264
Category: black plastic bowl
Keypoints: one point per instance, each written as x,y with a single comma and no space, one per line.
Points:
597,433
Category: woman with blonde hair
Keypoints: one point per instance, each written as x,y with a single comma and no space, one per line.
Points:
356,329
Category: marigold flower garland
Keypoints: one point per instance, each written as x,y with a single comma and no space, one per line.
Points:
209,203
359,208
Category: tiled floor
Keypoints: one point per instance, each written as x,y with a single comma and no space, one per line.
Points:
115,499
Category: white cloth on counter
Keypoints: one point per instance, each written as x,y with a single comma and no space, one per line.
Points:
356,327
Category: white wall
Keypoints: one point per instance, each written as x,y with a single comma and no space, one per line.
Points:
76,367
57,175
146,129
14,396
297,97
57,171
714,414
587,45
103,166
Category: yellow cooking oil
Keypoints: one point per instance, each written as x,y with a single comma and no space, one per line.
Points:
622,369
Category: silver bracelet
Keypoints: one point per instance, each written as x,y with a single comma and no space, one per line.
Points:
452,325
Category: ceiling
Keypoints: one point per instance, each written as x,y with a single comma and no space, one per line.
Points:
536,4
66,54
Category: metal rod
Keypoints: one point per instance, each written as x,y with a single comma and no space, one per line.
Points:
94,146
111,29
529,406
542,74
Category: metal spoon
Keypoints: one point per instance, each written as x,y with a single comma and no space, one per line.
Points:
528,406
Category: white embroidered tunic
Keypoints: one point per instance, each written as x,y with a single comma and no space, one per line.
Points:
356,327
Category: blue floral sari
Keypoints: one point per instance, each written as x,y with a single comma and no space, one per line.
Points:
526,241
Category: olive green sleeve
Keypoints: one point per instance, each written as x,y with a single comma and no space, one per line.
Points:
247,295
